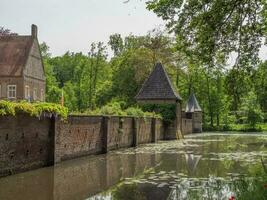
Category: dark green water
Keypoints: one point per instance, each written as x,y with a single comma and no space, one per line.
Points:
203,166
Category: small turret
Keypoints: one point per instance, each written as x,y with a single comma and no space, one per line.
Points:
194,110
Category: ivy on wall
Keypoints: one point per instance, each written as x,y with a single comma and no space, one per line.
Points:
8,108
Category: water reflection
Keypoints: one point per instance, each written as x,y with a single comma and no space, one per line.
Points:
192,162
200,167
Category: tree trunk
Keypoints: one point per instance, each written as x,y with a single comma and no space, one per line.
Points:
209,102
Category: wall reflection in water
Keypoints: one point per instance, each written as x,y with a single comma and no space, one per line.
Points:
76,179
204,168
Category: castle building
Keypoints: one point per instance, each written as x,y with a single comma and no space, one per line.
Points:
194,112
158,89
22,75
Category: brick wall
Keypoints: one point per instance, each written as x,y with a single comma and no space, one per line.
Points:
197,122
80,135
120,132
144,131
25,143
87,135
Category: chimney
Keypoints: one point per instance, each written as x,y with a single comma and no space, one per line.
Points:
34,31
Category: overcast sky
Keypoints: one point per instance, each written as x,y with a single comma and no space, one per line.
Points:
74,24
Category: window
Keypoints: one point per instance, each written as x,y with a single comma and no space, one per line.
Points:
11,91
34,94
27,92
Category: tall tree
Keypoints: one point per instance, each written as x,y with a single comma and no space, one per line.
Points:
210,29
116,44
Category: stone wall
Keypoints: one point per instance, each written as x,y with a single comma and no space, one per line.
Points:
197,122
80,135
28,142
145,131
25,143
89,135
120,132
186,126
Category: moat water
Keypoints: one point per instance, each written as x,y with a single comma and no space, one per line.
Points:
202,166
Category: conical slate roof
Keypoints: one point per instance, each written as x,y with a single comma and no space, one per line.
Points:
192,104
157,87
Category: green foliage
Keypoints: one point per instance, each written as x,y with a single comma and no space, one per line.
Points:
90,82
116,109
7,108
211,30
33,109
251,109
167,111
207,33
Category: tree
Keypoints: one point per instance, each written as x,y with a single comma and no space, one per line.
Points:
251,109
260,84
97,57
116,44
214,29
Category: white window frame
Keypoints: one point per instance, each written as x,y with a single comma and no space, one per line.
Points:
14,89
34,94
27,92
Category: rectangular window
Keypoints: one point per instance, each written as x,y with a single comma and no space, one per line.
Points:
11,91
34,94
27,92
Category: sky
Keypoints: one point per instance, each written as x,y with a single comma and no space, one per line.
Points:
72,25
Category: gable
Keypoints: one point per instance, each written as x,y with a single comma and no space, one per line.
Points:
34,65
14,52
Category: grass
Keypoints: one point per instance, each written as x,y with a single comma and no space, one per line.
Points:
261,127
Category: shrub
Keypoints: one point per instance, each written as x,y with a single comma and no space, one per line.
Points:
115,108
167,111
32,109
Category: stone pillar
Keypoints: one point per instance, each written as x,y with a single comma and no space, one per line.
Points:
105,125
52,143
135,131
153,130
57,140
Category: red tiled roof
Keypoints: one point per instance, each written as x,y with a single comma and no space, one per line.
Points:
14,52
